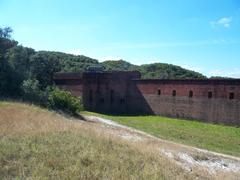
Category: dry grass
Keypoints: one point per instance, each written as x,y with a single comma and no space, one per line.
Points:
38,144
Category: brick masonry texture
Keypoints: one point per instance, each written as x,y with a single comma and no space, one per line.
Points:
209,100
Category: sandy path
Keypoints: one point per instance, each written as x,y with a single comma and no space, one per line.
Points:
186,156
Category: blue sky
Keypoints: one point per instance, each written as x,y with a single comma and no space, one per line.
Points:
202,35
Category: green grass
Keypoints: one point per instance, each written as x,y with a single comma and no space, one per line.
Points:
218,138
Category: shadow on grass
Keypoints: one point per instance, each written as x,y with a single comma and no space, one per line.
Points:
121,114
168,117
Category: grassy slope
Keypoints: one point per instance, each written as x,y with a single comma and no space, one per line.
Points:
219,138
38,144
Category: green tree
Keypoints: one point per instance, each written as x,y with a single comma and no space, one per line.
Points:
43,66
31,91
19,59
9,81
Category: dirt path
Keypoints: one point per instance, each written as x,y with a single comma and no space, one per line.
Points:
186,156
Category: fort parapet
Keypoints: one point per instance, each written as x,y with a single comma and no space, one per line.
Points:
210,100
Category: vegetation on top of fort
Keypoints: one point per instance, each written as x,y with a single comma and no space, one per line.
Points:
38,144
218,138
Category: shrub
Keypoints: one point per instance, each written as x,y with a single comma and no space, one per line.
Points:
32,93
51,97
65,101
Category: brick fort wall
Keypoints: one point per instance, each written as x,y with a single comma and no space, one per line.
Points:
207,100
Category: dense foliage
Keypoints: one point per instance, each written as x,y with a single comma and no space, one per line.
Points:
156,70
28,74
119,65
9,81
167,71
65,101
33,93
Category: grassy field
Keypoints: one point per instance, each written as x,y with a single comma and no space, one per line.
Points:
218,138
38,144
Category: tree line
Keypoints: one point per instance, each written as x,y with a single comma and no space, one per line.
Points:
28,74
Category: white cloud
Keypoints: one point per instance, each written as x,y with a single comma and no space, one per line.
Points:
224,22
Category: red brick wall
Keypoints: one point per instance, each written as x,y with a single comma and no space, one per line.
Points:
71,82
218,109
76,90
200,90
132,95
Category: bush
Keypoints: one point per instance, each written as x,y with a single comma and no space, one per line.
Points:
32,92
65,101
51,97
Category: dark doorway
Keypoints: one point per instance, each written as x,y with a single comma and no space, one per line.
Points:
210,94
174,93
231,95
190,94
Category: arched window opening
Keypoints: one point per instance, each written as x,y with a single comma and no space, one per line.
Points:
159,92
174,93
231,95
190,94
210,94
